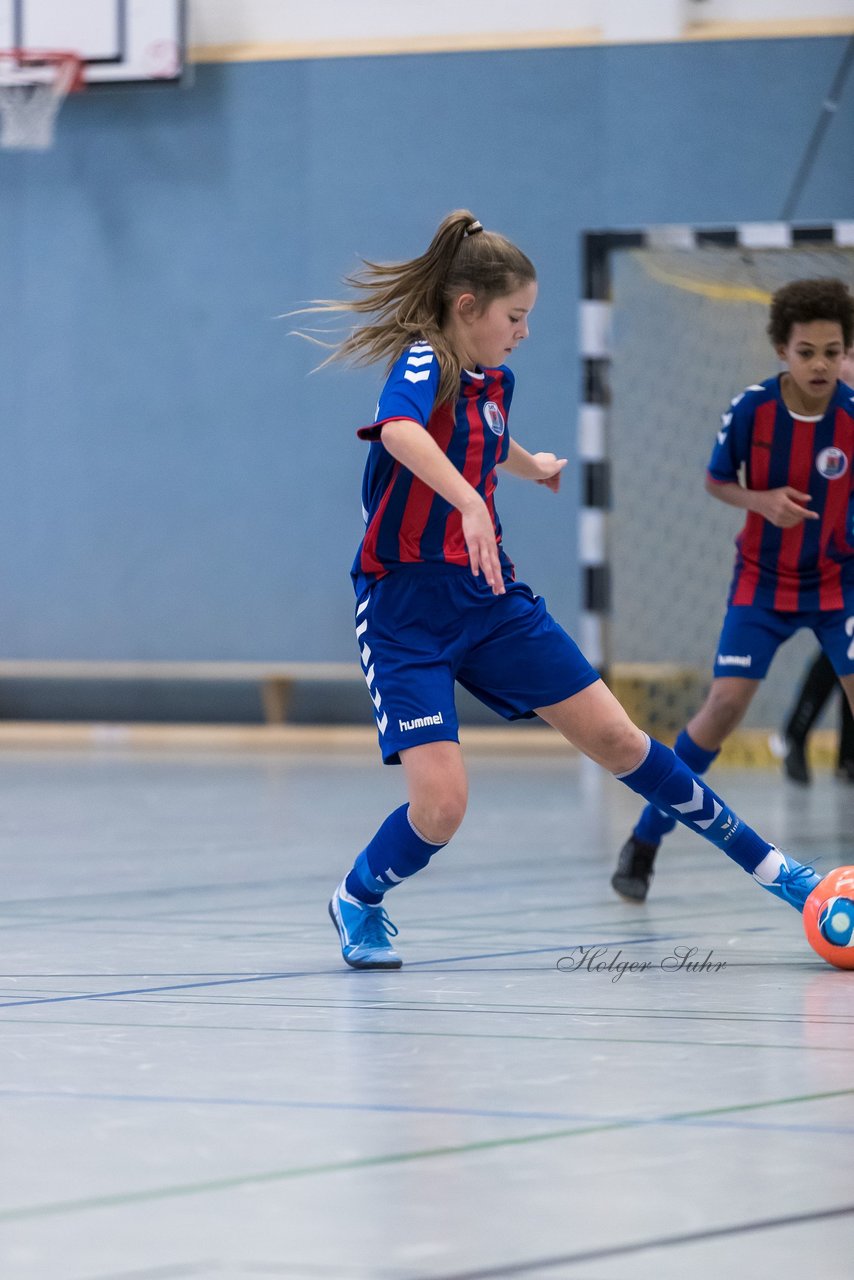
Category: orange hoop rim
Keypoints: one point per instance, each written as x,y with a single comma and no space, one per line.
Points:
49,57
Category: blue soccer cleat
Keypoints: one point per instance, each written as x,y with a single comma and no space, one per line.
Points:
364,932
792,882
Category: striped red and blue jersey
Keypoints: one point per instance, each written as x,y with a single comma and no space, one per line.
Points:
406,521
808,566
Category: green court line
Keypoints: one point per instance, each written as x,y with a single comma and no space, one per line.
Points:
434,1035
394,1158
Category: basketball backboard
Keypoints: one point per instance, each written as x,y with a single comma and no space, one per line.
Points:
119,41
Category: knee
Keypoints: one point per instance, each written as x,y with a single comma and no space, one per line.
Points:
620,746
725,708
438,812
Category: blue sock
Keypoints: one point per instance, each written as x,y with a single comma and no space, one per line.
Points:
668,783
396,852
653,824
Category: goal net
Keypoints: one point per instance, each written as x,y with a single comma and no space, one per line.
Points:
688,334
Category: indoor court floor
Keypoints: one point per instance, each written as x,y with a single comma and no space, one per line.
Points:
194,1084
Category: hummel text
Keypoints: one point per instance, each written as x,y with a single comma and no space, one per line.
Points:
420,721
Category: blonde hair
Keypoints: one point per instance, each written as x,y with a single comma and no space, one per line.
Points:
409,301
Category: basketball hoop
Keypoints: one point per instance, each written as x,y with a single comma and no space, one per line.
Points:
33,86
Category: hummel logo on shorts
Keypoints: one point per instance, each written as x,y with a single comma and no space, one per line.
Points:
420,721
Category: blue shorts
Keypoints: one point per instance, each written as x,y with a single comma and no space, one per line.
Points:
751,635
420,629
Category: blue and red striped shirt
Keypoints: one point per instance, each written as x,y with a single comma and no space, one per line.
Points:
807,566
406,521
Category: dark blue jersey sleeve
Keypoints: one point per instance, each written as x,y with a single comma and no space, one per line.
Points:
410,390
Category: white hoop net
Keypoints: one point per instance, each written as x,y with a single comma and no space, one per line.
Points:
33,86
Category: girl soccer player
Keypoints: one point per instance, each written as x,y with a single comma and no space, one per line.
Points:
437,599
792,439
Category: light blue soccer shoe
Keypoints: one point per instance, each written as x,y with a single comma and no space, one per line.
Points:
793,883
364,932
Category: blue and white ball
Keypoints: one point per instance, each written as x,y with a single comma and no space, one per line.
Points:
829,918
836,922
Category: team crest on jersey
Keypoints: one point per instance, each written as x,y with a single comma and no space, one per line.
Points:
831,463
494,417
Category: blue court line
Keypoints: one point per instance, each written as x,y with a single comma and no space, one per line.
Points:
300,1105
380,1108
177,986
314,973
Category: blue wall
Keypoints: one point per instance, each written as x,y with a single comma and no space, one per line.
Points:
174,482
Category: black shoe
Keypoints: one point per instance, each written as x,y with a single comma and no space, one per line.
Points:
795,762
634,869
845,770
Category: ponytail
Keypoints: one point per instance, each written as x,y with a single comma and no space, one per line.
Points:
408,301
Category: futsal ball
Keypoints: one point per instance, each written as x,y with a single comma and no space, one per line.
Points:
829,918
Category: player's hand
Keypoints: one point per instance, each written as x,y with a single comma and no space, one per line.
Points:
549,467
479,534
785,507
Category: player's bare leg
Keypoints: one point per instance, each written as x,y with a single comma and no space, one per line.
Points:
595,722
438,788
724,709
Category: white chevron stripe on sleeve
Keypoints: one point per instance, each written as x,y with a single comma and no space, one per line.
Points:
416,377
417,360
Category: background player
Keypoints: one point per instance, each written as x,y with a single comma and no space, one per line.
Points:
437,596
819,683
792,440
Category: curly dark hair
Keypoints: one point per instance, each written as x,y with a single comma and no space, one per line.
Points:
803,301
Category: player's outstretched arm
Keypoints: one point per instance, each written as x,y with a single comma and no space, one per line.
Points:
411,446
782,507
544,468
